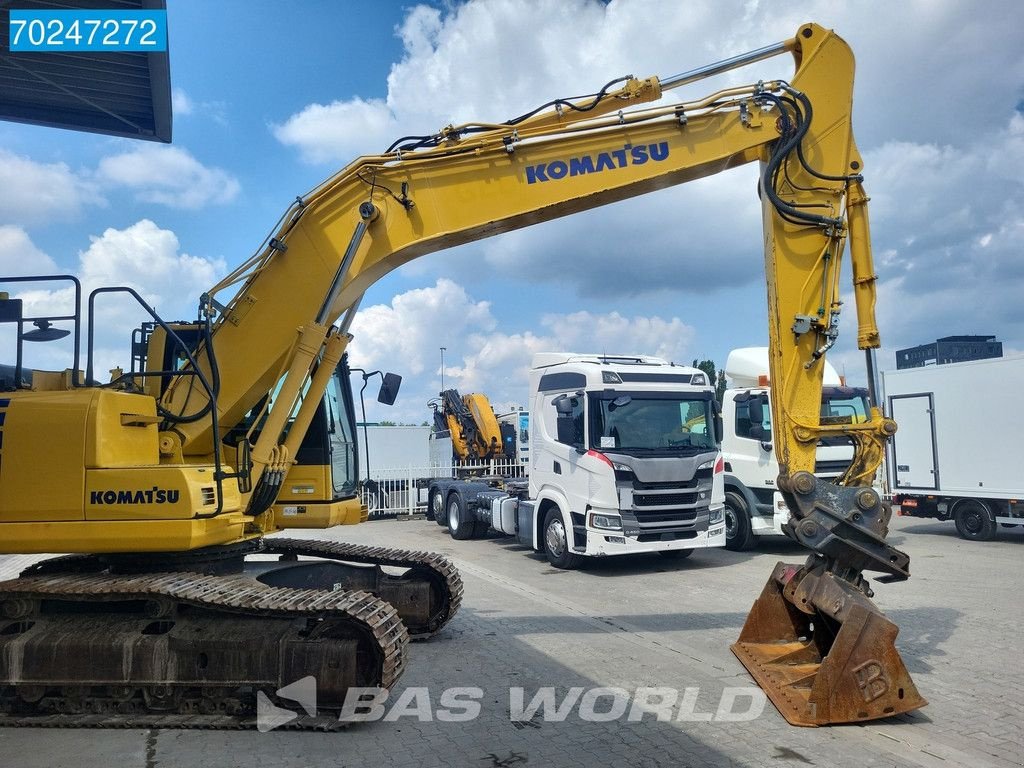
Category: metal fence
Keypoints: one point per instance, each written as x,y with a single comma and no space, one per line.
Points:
397,491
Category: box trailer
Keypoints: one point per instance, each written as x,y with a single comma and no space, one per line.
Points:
955,456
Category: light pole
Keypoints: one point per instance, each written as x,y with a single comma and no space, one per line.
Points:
442,367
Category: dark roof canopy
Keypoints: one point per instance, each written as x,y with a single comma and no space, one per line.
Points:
121,94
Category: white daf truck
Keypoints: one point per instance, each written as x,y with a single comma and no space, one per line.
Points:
624,458
753,507
955,456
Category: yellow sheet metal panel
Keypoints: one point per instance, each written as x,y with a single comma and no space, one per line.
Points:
305,484
124,536
42,476
345,512
155,493
113,438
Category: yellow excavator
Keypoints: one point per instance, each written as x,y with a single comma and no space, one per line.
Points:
176,608
471,423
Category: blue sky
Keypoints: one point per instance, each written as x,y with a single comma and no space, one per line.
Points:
271,97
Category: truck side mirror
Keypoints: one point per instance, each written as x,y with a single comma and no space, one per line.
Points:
563,406
755,407
719,424
566,431
389,389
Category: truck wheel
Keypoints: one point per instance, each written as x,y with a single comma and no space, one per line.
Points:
974,521
459,524
556,542
675,554
435,509
738,536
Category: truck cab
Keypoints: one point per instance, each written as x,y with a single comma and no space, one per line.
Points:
753,506
624,453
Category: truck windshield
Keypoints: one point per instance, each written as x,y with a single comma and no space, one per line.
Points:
651,421
844,405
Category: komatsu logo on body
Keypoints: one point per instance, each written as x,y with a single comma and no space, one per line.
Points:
150,496
603,161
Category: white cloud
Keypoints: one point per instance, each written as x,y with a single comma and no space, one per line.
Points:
19,256
168,176
181,103
953,219
339,130
33,192
406,335
407,330
143,257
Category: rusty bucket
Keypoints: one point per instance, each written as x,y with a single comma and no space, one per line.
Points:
822,651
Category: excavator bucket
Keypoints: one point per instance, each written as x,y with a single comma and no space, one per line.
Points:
823,652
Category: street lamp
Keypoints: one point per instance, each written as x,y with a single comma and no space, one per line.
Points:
442,367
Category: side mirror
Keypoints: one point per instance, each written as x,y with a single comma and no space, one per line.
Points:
719,424
565,429
563,406
755,407
389,389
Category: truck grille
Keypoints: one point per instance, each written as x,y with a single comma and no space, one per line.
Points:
664,499
653,511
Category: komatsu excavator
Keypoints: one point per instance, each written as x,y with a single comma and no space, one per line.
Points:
165,482
471,422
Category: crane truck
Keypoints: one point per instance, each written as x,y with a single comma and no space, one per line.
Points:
164,484
623,459
754,507
470,423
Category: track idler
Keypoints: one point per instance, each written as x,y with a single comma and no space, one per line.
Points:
814,641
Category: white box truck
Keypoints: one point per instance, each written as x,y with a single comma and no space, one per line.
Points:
753,506
956,456
624,458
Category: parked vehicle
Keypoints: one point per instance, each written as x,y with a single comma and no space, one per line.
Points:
753,505
954,456
624,458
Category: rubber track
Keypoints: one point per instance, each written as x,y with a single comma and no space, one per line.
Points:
401,558
231,594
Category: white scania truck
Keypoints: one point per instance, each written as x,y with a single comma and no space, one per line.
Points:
753,506
624,458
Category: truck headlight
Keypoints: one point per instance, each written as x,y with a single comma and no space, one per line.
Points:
608,522
716,516
623,473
